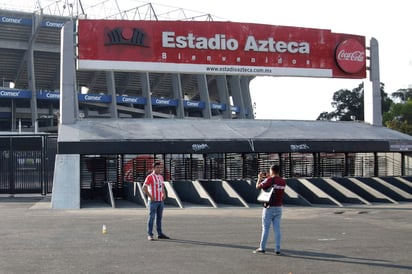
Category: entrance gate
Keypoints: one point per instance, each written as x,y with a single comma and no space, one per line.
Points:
27,163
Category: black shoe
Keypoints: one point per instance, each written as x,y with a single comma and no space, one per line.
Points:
278,253
163,236
258,251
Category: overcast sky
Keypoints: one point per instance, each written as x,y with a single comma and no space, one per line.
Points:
305,98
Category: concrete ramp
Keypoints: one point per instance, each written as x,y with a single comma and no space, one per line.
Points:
138,194
292,197
317,195
341,193
374,195
393,191
404,184
233,194
172,197
192,192
246,189
222,193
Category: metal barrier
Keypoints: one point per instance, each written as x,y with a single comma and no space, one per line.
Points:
27,163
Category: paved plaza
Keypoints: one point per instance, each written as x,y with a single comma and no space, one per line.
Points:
350,239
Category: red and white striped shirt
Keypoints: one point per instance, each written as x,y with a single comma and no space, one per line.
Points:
155,186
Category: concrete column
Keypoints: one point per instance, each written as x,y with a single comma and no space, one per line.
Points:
66,182
247,101
204,95
221,82
177,93
235,87
68,94
111,88
372,92
144,79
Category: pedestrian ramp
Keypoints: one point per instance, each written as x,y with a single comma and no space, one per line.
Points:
192,192
223,193
312,193
334,191
364,190
339,192
400,182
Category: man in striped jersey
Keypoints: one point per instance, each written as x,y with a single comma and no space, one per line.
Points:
154,188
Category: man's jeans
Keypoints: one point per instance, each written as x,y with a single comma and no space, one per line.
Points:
271,215
155,210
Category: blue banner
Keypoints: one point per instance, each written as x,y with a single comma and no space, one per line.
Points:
15,93
94,98
193,104
218,106
121,99
52,24
15,20
235,109
48,95
165,102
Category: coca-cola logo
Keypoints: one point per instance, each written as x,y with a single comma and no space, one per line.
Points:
350,56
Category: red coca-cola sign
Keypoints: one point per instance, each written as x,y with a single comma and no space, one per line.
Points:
350,56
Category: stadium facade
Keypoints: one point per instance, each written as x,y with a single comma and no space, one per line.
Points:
91,81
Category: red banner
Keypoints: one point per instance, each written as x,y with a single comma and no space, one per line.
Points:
219,48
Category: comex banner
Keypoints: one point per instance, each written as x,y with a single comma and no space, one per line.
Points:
219,48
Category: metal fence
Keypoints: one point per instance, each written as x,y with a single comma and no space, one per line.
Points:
27,163
123,169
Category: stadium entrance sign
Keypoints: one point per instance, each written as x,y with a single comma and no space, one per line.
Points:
219,48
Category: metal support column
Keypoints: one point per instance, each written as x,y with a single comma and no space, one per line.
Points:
403,162
375,164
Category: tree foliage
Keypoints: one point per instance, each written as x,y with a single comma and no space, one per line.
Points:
349,104
399,116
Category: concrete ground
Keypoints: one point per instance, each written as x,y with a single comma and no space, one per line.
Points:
352,239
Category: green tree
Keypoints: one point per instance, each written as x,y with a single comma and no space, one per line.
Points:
349,104
399,116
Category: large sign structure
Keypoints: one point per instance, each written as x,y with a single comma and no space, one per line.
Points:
219,48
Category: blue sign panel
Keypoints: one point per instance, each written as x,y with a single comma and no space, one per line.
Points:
48,95
131,100
15,93
15,20
5,115
218,106
193,104
94,98
51,24
235,109
165,102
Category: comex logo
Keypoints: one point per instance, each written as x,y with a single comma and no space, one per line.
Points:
127,36
198,147
299,147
